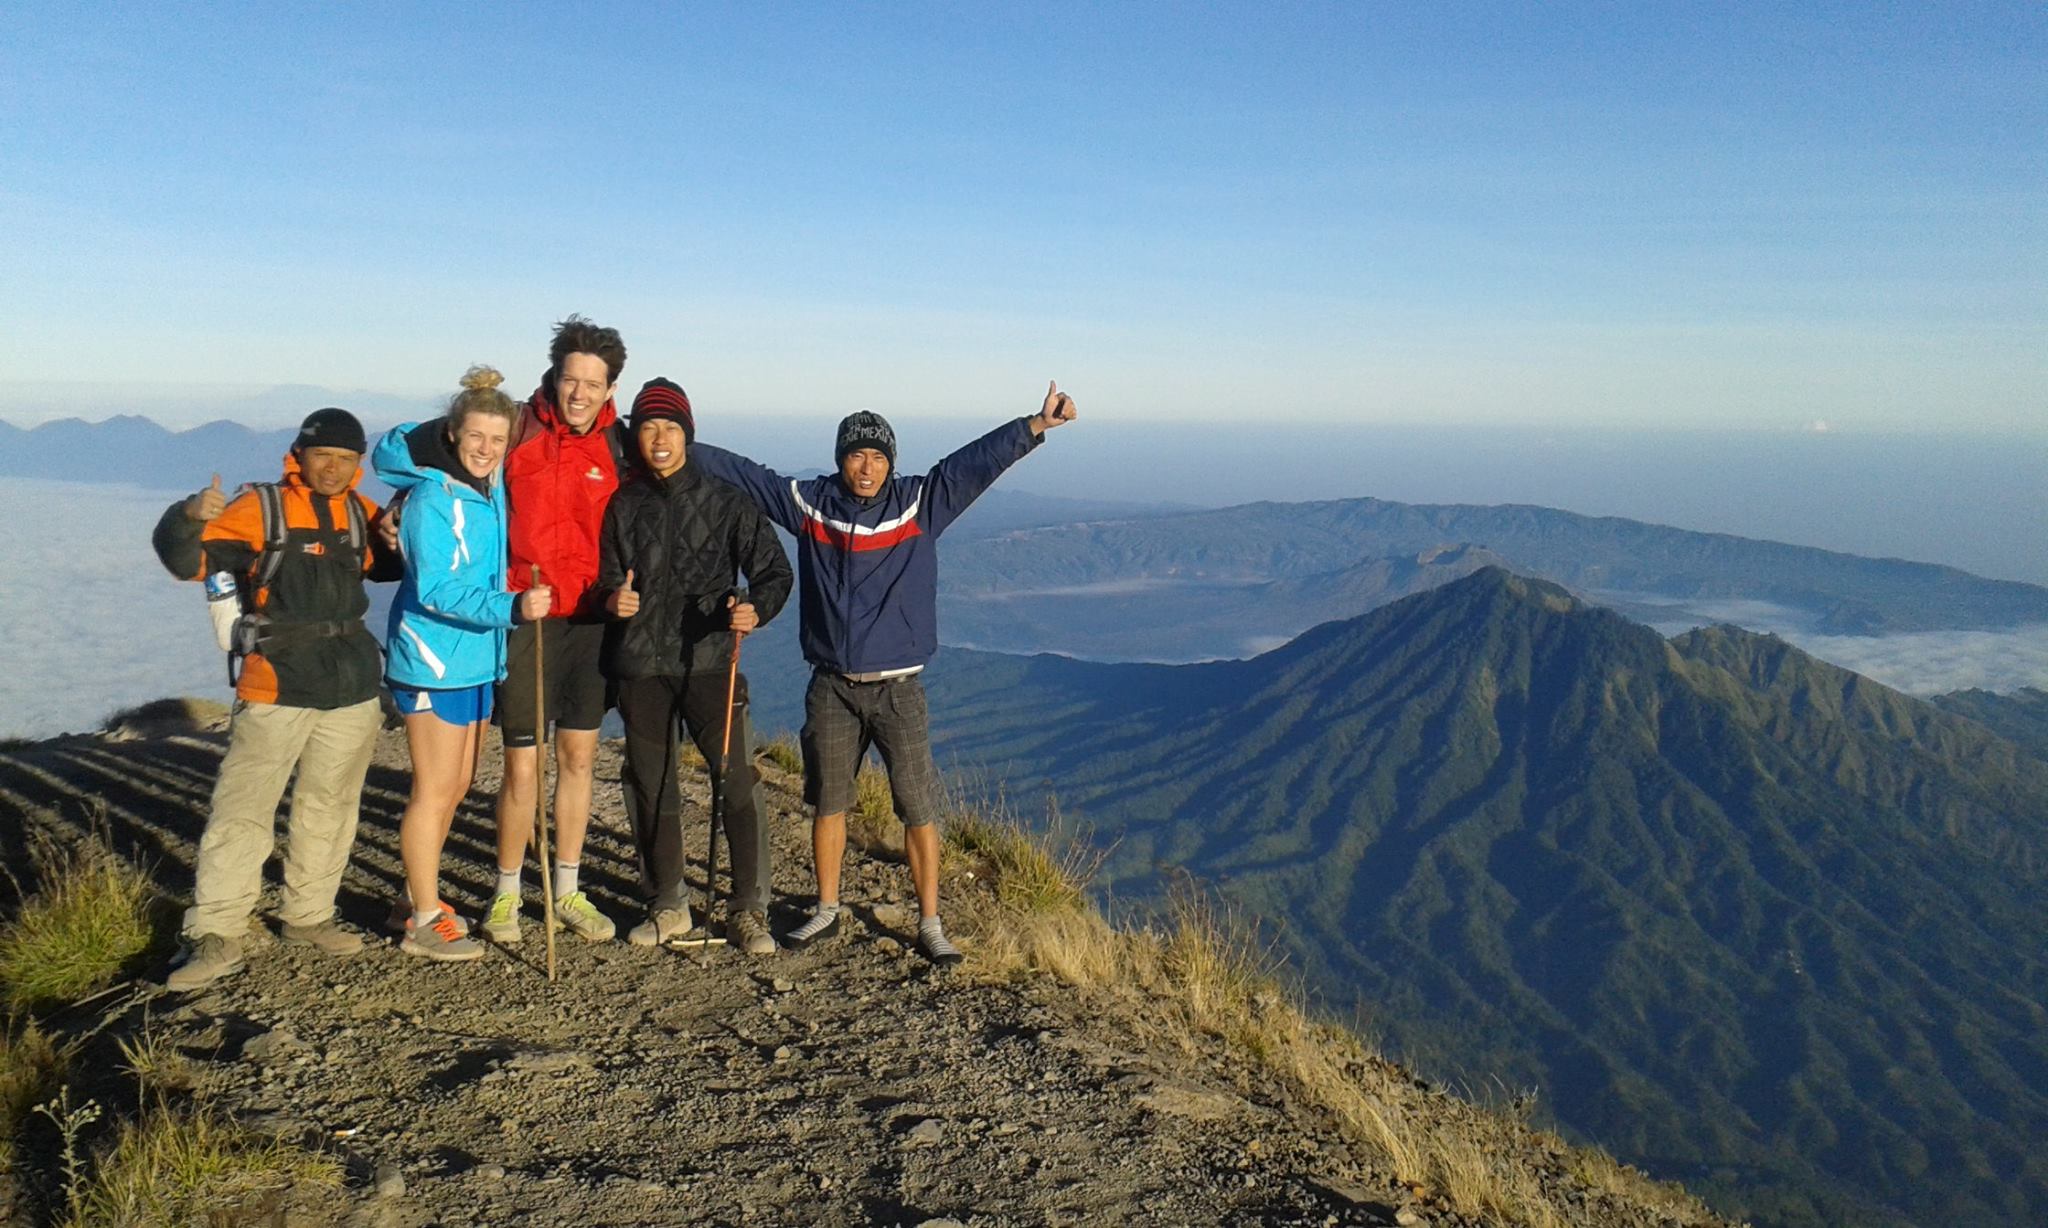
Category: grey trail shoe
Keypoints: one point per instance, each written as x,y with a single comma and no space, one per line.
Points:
749,932
665,924
440,940
329,936
210,959
399,919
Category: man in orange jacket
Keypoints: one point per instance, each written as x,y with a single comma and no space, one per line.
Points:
307,696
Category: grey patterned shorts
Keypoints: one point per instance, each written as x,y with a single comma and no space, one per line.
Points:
842,719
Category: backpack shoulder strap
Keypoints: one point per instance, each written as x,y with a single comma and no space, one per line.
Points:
358,523
271,499
622,456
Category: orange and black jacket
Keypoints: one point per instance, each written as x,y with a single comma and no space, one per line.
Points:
315,651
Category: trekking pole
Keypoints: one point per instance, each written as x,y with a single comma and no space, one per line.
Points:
540,784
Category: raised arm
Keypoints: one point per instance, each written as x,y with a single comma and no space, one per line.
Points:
208,532
769,490
957,481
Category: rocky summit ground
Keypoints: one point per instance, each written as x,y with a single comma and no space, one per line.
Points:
847,1084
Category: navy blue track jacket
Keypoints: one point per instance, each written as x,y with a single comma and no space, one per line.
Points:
868,570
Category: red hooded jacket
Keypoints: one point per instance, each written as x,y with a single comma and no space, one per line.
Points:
558,484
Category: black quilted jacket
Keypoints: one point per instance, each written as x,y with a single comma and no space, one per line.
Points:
686,538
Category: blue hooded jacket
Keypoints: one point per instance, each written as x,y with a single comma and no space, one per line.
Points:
869,568
449,620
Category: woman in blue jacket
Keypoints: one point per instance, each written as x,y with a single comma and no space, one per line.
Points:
446,645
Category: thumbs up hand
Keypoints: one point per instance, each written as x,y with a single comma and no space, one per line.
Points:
624,602
1058,408
208,503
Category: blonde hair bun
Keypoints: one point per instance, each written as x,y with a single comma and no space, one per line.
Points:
481,377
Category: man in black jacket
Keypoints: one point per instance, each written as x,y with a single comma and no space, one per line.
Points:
672,544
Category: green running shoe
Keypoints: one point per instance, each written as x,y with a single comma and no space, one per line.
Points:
501,919
575,913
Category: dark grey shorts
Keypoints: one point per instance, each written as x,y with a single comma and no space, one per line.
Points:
842,719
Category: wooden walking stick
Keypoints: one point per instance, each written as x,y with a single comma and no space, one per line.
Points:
540,784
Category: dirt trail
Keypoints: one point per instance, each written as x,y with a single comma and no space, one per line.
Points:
848,1084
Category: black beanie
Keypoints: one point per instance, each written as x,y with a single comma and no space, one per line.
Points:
664,398
331,428
865,429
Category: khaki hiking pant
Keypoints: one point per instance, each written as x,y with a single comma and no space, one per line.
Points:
331,750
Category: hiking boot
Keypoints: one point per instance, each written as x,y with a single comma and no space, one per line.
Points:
440,940
211,958
328,936
665,924
501,919
574,912
399,920
749,932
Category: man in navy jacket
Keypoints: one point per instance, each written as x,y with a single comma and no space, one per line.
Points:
868,572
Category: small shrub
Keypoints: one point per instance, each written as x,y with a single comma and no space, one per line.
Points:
176,1168
92,914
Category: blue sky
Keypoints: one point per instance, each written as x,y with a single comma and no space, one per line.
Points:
1570,215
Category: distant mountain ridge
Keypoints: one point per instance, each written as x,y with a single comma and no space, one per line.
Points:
1633,566
1750,918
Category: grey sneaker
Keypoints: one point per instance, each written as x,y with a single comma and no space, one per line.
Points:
575,913
501,919
328,936
210,959
440,940
749,932
665,924
399,919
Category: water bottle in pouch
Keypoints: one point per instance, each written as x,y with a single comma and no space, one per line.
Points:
223,604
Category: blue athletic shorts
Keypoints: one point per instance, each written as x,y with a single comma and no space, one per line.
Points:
463,705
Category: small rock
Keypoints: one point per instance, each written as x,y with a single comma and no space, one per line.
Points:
1407,1217
928,1133
491,1172
783,1053
782,984
273,1043
390,1180
942,1222
888,946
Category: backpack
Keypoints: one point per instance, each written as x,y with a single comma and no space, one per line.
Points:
253,624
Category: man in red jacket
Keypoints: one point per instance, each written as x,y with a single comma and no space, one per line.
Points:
560,472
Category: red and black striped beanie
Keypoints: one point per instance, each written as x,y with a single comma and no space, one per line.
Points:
664,398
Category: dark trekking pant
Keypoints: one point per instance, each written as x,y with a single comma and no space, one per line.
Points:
653,710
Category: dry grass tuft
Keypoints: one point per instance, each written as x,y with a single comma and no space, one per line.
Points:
784,753
1629,1184
176,1168
1033,872
156,1064
32,1066
92,913
871,825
